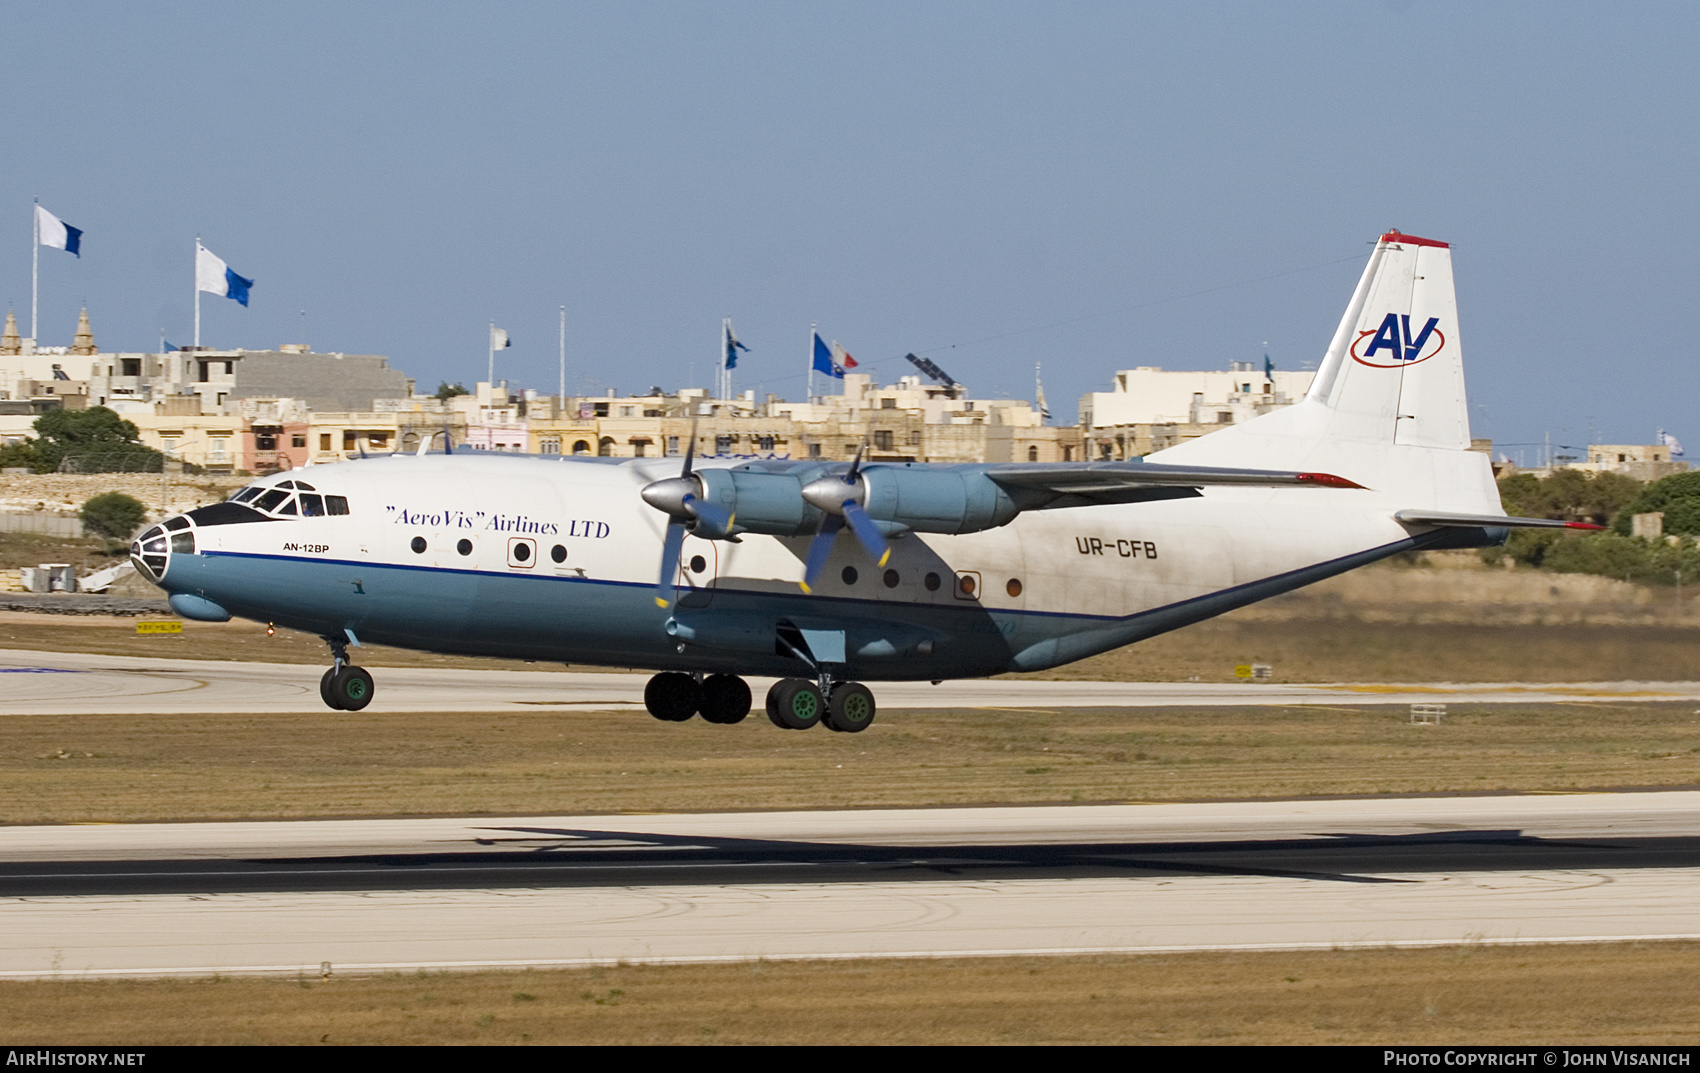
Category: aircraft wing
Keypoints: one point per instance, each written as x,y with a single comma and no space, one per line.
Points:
1491,521
1084,483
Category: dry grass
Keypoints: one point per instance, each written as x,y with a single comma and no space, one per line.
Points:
1335,650
61,769
1607,994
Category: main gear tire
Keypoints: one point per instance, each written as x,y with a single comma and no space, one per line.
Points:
851,708
672,696
725,699
795,704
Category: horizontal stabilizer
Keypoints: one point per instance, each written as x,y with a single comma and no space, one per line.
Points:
1491,521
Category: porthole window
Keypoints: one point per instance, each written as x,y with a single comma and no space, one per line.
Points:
849,575
891,579
1014,586
932,582
464,546
558,553
965,584
522,552
698,564
418,545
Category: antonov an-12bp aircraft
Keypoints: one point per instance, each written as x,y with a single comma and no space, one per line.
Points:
828,574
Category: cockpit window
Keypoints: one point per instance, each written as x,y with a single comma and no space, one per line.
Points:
291,499
271,499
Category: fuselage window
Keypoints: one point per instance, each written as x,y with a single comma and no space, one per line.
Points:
312,504
464,546
246,494
891,579
288,507
698,564
336,504
418,545
849,575
932,582
558,553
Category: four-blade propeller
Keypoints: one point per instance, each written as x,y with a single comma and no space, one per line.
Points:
840,499
680,498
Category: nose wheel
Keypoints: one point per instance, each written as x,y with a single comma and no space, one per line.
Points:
345,687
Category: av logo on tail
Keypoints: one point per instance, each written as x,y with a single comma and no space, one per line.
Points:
1394,336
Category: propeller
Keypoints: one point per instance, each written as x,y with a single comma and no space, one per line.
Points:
680,498
839,498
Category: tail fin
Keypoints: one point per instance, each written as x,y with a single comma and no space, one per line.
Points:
1394,370
1387,407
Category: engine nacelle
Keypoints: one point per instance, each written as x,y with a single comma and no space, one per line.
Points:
936,499
926,499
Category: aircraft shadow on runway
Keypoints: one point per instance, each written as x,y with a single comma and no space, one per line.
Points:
549,857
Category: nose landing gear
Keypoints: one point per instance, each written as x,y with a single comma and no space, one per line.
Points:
345,687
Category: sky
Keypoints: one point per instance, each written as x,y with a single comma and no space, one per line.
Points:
990,185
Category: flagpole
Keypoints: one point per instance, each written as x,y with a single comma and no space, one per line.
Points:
35,268
491,375
197,292
563,409
725,348
812,329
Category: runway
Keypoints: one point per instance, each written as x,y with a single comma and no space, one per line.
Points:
53,683
394,895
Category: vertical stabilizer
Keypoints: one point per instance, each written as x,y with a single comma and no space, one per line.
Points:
1387,406
1394,372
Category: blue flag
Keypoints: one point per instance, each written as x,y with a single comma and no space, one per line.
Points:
236,287
823,360
732,346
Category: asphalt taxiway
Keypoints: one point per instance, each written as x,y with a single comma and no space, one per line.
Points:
54,683
391,895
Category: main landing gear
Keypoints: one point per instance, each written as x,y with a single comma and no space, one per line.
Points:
345,687
674,697
792,703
